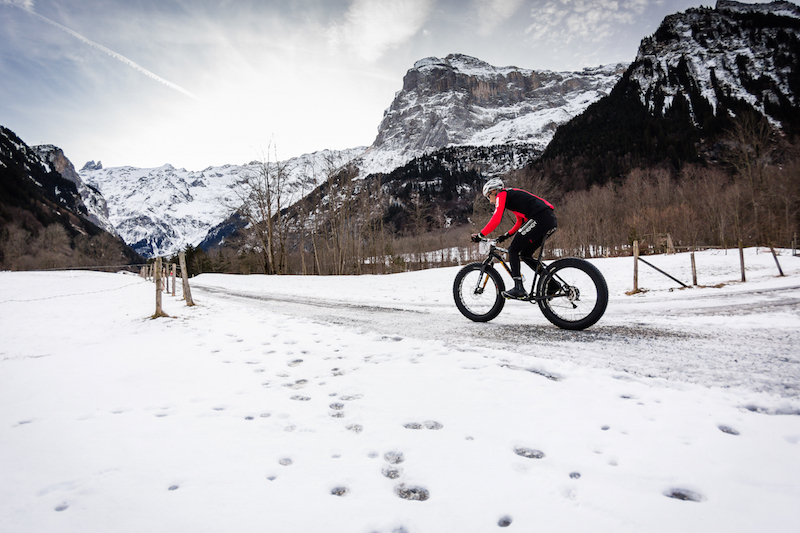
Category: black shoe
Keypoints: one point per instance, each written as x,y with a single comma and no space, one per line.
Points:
518,292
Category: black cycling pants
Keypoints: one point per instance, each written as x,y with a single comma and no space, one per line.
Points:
543,223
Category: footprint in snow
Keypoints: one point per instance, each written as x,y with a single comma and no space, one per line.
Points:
424,425
504,521
300,398
295,362
685,495
339,491
729,430
299,384
391,472
412,493
355,428
528,453
394,458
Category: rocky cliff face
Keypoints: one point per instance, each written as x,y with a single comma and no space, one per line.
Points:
95,203
34,192
723,60
463,101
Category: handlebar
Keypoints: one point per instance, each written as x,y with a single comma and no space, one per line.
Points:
492,244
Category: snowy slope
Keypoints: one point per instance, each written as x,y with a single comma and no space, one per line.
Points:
330,403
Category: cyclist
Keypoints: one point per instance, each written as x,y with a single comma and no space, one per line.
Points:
536,220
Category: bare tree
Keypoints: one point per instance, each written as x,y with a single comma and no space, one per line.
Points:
13,244
52,247
260,194
750,151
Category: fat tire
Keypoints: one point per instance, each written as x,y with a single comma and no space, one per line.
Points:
594,291
464,287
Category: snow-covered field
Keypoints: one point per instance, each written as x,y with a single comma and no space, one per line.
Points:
369,404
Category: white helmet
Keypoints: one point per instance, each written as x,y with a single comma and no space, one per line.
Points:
494,184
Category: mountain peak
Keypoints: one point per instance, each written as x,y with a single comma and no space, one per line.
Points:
461,100
779,8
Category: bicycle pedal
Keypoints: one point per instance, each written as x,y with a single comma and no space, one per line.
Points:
525,298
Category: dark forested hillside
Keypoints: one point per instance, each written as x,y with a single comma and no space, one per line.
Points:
42,216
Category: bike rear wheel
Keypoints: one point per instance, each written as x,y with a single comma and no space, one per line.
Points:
582,296
477,292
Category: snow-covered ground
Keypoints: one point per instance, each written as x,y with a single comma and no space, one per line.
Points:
369,404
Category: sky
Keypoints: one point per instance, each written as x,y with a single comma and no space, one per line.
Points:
212,82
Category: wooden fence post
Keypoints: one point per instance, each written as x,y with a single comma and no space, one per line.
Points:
635,266
187,293
741,259
694,271
775,256
157,274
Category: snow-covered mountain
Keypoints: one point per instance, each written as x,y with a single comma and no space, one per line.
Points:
721,58
456,101
463,101
691,80
158,211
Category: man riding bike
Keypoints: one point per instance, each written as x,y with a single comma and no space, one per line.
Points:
535,221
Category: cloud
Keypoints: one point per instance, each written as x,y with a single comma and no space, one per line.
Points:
28,6
593,21
371,27
492,13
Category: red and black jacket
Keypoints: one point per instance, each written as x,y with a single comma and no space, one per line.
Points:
523,204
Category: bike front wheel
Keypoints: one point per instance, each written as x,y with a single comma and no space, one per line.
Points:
477,292
577,293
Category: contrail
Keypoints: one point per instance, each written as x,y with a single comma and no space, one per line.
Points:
28,7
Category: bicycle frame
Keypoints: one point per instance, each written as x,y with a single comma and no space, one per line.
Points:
494,254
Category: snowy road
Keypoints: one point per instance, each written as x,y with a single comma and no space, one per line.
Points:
737,335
